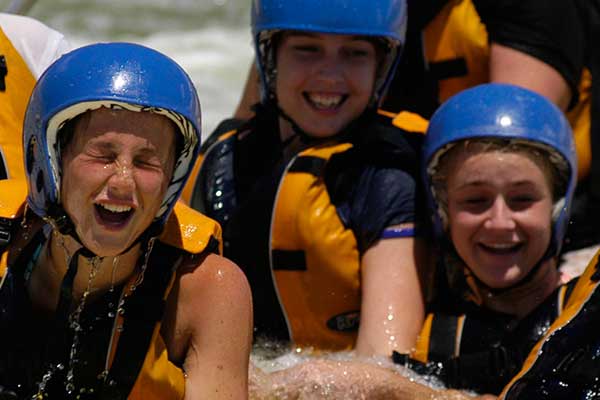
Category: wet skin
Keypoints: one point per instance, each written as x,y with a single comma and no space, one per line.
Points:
324,81
499,207
115,173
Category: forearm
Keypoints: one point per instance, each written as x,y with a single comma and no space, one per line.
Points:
326,379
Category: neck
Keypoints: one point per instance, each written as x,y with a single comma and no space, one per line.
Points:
95,275
290,139
524,298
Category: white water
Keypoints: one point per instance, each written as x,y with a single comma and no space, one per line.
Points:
209,38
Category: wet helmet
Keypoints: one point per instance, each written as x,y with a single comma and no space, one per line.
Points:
383,19
508,112
113,75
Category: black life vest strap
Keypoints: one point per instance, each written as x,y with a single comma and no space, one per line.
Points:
3,73
141,311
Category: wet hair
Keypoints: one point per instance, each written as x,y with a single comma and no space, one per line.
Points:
554,167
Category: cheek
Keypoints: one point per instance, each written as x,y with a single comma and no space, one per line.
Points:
152,183
462,225
539,224
364,77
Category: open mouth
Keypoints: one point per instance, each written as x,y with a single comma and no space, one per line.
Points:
502,248
325,102
112,215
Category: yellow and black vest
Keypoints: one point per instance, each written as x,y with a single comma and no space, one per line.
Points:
478,349
313,271
455,49
16,85
565,363
126,357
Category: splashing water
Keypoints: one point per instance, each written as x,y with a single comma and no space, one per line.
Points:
74,324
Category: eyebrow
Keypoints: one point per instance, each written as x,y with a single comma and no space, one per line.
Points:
110,146
480,182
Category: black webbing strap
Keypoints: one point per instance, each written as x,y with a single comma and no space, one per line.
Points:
3,73
142,311
442,342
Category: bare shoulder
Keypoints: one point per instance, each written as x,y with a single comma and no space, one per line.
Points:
210,282
209,294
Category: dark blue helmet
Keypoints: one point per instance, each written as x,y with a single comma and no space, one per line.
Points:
113,75
501,111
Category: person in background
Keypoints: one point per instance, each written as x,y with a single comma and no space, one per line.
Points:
27,47
500,170
316,194
112,289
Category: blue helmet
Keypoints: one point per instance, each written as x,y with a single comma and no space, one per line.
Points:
508,112
113,75
385,19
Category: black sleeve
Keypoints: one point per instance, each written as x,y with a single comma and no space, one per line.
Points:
550,30
380,197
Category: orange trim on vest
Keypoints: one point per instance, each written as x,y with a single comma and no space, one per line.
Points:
579,117
407,121
13,103
583,291
421,351
305,220
189,230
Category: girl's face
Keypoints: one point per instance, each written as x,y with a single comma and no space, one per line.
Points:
115,174
324,81
499,212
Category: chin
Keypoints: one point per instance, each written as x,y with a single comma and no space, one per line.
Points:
106,248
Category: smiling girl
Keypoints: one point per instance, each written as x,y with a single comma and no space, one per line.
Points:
500,169
316,194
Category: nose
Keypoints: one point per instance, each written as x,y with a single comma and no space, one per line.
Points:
121,183
329,70
500,216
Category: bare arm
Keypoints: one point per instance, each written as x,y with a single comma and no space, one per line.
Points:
392,308
345,379
213,329
513,66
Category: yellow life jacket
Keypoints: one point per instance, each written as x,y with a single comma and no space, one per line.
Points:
314,258
16,85
314,283
186,231
446,336
456,47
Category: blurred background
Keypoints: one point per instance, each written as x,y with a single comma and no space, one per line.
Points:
210,38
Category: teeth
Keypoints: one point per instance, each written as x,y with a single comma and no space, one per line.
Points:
325,101
115,208
501,246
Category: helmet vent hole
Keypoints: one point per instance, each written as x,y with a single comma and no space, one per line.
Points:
31,149
39,181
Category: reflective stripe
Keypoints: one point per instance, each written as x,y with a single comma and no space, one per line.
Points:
392,233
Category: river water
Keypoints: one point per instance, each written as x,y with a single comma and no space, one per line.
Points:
210,38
